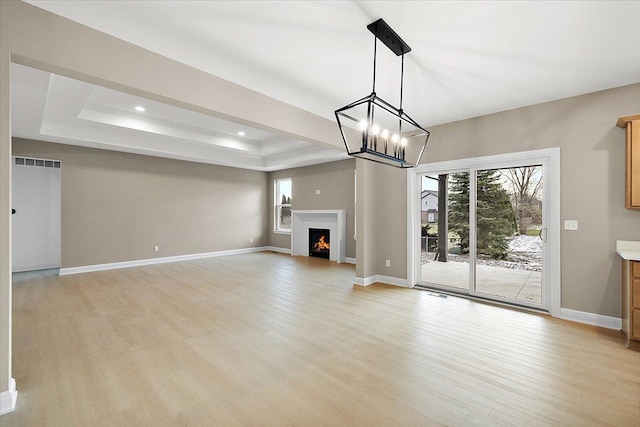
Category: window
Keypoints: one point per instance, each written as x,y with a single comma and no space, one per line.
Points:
282,204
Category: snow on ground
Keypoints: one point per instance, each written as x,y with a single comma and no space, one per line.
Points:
525,244
525,253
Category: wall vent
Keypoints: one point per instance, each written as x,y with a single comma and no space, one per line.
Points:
44,163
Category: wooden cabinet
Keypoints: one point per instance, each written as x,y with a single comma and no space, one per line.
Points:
632,156
631,303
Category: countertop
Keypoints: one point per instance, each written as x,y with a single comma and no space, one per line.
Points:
628,250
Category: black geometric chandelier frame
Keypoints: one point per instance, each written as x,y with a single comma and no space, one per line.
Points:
372,128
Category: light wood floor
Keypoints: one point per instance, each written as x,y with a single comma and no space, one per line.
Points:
269,339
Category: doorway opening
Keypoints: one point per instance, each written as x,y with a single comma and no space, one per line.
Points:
36,215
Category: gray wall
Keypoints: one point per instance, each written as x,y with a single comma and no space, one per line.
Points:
391,219
381,221
592,184
118,206
335,181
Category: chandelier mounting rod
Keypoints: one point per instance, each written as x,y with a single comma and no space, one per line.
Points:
375,55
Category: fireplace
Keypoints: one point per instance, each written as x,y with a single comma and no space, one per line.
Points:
319,242
332,220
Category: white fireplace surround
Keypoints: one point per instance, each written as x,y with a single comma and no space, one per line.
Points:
333,220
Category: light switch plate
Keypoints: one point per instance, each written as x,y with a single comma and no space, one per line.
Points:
570,224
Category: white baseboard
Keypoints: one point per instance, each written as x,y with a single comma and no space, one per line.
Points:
8,398
347,260
364,281
591,319
393,281
140,262
150,261
378,278
599,320
277,249
23,268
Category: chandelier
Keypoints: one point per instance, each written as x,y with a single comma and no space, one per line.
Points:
372,128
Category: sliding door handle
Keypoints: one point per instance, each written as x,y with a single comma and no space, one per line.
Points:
543,234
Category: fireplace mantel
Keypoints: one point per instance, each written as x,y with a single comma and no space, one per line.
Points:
334,220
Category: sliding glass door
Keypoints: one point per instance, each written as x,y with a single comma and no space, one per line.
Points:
483,233
444,256
509,234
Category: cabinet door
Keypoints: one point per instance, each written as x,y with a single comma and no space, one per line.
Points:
635,326
635,269
633,164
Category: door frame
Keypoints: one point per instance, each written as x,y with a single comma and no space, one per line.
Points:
550,159
52,216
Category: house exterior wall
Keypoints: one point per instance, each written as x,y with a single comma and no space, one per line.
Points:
429,209
429,202
429,217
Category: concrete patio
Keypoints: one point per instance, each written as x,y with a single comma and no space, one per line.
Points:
520,285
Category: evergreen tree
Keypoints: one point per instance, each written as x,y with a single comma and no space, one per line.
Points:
459,208
494,214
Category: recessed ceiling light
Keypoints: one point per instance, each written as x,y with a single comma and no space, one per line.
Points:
140,108
241,133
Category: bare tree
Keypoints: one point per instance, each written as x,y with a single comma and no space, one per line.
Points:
526,184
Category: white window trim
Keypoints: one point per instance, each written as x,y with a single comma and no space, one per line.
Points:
277,205
550,158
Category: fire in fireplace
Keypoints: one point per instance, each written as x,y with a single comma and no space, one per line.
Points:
319,245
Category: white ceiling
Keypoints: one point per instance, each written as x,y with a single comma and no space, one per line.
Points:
468,59
54,108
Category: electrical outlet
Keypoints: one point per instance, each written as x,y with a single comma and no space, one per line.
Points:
317,191
570,224
388,263
155,249
251,240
